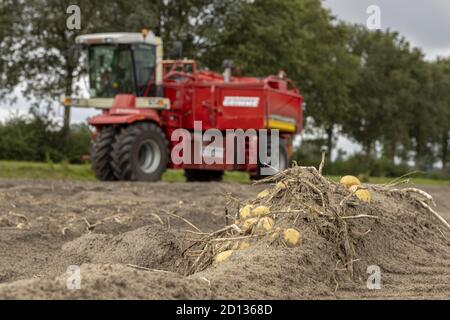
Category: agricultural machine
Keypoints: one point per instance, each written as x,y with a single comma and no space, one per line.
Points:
146,100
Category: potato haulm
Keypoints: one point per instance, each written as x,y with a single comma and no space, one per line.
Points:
322,230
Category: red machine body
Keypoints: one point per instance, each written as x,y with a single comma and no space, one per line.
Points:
239,103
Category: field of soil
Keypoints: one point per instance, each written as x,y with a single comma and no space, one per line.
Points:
128,239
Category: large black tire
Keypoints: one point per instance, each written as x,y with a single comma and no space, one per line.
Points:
140,153
203,175
283,165
101,149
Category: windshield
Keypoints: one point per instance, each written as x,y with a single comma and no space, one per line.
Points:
111,70
144,59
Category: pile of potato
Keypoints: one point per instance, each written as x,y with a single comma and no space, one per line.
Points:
259,219
254,220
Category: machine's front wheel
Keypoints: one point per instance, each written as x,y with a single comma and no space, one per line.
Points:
101,154
140,153
203,175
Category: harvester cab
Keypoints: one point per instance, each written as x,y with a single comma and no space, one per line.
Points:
147,101
123,63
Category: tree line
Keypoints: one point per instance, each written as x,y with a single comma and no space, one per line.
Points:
370,86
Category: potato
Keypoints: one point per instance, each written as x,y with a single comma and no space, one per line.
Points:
265,224
246,212
22,226
249,224
263,194
361,194
364,195
349,181
223,256
260,211
241,245
280,186
244,245
292,237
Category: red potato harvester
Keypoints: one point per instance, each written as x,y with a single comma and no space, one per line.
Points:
146,101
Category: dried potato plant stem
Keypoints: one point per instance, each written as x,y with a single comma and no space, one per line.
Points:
185,220
146,269
158,218
347,246
196,265
322,163
342,225
240,238
401,179
437,215
417,191
360,216
317,191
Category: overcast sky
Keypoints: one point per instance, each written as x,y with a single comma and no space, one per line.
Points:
425,23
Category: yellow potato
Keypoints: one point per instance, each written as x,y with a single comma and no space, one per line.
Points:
22,226
244,245
280,186
361,194
263,194
260,211
349,181
246,212
364,195
292,237
223,256
265,224
249,224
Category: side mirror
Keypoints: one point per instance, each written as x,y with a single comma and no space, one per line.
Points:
177,50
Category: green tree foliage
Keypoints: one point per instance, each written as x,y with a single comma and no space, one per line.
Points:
40,139
40,48
191,22
439,100
300,37
400,101
424,112
9,17
385,90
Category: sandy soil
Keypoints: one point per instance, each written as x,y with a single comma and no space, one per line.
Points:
110,228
